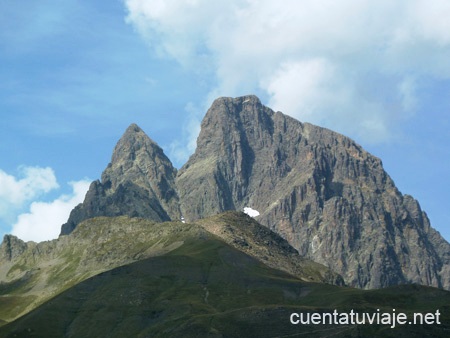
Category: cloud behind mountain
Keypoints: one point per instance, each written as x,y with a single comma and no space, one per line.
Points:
356,66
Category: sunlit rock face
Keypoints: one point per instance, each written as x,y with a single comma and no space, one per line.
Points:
139,182
328,197
320,190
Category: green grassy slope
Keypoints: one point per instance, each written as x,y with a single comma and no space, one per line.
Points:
206,288
45,269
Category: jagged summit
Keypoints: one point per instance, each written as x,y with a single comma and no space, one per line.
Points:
139,159
133,141
322,192
133,128
138,182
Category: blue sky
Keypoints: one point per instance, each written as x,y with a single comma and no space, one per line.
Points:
75,74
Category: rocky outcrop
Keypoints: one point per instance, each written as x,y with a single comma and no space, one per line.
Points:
245,234
329,198
139,182
320,190
11,247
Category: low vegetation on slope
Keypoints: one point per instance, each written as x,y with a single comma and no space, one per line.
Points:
206,288
31,273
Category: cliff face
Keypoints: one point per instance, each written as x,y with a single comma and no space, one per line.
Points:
11,247
321,191
139,182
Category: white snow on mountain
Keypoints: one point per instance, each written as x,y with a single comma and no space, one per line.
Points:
251,212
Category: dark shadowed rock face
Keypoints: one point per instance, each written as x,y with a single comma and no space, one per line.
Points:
321,191
139,182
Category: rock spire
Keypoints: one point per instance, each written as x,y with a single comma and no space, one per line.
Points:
139,182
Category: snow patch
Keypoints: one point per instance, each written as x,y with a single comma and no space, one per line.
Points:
251,212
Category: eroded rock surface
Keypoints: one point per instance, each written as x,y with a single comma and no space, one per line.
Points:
320,190
139,182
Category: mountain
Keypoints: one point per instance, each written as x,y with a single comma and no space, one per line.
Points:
329,198
153,251
139,182
203,287
32,273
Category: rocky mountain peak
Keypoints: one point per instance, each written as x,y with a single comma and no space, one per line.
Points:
322,192
230,102
236,115
132,142
138,159
138,182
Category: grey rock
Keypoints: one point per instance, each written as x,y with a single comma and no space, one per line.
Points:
139,182
322,192
11,247
328,197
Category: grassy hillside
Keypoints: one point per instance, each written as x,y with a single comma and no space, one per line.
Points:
45,269
206,288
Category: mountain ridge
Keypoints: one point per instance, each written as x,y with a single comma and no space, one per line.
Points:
206,288
32,273
321,191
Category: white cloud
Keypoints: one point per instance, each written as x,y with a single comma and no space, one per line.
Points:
16,191
301,87
175,28
44,220
431,18
407,91
351,65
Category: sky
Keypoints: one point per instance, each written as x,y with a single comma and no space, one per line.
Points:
74,74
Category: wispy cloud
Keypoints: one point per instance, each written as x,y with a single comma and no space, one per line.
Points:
44,219
30,183
355,66
27,190
183,146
